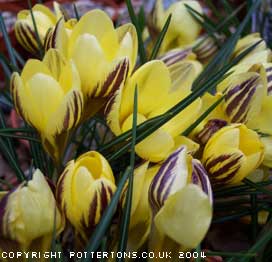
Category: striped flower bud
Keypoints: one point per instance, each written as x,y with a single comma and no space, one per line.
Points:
231,154
84,190
44,19
181,208
47,95
29,216
205,48
244,94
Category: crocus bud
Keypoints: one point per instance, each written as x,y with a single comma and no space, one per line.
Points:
44,18
110,54
244,94
182,211
84,190
29,215
232,153
47,95
183,29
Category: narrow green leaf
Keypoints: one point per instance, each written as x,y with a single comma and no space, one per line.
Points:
37,36
102,227
127,209
229,9
20,137
76,12
8,42
161,36
12,161
135,21
257,187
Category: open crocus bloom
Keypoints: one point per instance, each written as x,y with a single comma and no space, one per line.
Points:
180,198
157,93
103,55
45,20
29,216
84,190
183,29
47,95
232,153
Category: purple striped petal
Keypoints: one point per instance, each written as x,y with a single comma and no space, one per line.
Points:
175,56
172,176
240,98
200,177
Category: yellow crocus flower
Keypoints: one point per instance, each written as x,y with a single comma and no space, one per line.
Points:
29,216
158,91
232,153
84,190
104,56
45,20
47,95
183,29
181,200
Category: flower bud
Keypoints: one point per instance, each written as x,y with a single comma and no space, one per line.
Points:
84,190
47,95
29,215
231,154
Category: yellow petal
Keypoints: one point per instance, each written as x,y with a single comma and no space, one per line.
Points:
151,79
95,23
185,216
128,42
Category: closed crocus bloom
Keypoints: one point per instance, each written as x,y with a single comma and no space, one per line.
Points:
154,78
30,216
244,95
183,29
232,153
180,198
47,95
44,19
84,190
103,55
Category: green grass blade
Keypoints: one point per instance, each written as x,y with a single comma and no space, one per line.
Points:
8,42
12,161
229,9
127,210
76,12
102,227
135,21
159,41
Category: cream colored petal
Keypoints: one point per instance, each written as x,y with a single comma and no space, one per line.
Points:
185,216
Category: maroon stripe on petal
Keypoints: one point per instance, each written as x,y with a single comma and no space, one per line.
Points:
235,101
243,107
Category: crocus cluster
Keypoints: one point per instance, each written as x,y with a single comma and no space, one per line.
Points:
88,66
